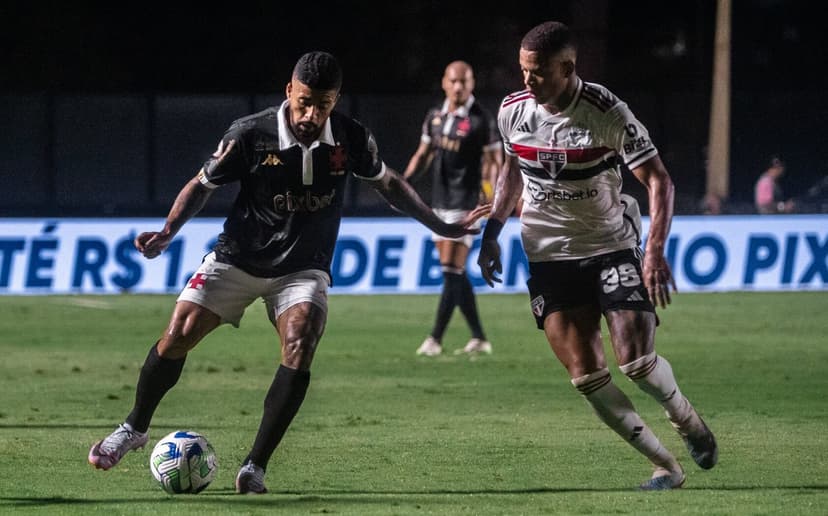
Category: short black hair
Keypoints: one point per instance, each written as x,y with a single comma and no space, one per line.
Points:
548,38
319,71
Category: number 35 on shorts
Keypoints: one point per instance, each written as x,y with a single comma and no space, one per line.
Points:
625,275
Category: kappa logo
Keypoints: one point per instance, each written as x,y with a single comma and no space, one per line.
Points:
537,306
553,161
272,160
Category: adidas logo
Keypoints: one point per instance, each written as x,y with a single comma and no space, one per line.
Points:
524,128
635,296
636,432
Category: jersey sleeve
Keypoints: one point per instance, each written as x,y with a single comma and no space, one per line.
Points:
628,136
368,164
425,133
217,172
508,118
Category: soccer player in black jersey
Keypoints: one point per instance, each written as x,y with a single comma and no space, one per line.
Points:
277,244
460,146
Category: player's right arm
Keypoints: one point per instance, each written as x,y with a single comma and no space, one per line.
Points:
507,192
189,201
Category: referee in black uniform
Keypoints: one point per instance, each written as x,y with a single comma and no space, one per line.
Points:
460,146
291,162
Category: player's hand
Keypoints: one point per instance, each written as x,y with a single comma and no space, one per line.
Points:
658,279
476,214
489,261
152,243
465,226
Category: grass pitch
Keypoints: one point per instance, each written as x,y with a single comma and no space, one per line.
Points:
383,431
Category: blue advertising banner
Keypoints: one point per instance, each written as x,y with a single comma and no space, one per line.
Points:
396,255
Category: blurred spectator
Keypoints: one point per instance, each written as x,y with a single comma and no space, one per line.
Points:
711,204
768,195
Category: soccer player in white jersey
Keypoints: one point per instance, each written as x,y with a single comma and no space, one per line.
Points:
565,142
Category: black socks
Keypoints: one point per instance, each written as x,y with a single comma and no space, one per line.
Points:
285,396
158,375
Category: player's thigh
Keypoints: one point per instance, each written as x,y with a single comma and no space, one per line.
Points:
632,333
565,307
300,328
223,289
297,305
624,299
575,337
189,324
452,253
454,216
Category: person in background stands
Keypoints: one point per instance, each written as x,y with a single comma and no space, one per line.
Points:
767,192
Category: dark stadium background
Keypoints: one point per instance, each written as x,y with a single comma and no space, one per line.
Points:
108,108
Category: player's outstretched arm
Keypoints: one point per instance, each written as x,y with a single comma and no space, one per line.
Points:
190,200
399,194
657,275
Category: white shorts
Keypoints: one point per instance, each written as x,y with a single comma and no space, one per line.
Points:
452,216
227,290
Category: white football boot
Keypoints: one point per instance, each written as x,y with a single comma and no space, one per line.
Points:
430,347
107,453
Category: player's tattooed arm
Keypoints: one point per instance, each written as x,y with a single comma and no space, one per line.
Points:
190,200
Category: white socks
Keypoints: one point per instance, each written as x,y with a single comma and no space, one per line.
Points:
616,411
653,375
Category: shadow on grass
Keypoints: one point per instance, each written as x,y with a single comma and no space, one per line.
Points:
334,496
159,429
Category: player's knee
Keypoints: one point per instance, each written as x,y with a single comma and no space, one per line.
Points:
298,350
186,329
592,382
640,368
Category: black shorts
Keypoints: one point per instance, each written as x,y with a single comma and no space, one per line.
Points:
610,281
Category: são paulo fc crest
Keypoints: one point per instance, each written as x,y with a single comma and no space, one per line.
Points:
537,306
552,160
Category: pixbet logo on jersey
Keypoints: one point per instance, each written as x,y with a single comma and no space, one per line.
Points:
539,194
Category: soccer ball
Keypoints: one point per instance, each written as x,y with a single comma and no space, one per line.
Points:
183,462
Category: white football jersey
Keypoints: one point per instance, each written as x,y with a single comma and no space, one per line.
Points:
570,164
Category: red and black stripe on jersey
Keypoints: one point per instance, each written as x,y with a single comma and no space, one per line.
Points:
278,224
601,157
518,96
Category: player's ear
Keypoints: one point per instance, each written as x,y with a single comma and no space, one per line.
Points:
568,67
288,88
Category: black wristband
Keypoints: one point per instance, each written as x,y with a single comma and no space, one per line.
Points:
492,229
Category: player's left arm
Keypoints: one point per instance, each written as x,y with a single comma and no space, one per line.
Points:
657,275
401,195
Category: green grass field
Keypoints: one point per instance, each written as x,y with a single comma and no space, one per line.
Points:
383,431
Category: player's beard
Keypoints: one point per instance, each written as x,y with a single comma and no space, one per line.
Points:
307,130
